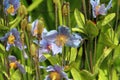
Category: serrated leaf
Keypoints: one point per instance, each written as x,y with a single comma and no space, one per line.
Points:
108,18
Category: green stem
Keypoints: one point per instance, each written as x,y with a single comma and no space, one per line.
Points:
84,8
60,13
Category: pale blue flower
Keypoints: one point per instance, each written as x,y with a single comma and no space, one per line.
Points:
99,9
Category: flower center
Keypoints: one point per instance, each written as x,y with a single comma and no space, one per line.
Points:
35,31
61,40
11,39
54,75
97,10
49,47
11,9
13,65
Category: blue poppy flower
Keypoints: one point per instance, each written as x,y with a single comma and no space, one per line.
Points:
55,73
13,63
98,9
12,38
11,6
63,37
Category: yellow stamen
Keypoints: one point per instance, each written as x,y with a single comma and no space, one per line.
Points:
54,75
11,39
13,65
61,40
10,9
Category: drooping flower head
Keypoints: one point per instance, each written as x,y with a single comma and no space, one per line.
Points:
56,73
13,63
12,38
11,6
99,9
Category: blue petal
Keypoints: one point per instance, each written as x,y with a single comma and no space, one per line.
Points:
102,10
51,36
74,40
56,49
64,30
21,68
50,68
12,58
109,5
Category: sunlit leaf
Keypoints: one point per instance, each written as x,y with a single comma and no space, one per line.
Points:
108,18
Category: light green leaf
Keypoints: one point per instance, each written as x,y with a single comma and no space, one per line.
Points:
102,75
28,69
80,19
108,18
114,75
73,54
85,75
106,52
53,59
76,74
16,75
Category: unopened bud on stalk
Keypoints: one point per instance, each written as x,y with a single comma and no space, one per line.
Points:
56,1
40,26
65,9
33,49
29,26
22,10
24,24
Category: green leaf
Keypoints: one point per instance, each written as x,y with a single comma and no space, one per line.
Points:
76,74
91,29
80,19
53,59
85,75
114,75
73,54
106,52
103,75
108,18
16,75
78,30
28,69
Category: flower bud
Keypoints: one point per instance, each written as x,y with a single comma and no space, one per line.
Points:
65,9
29,26
22,10
33,49
56,1
40,27
24,24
